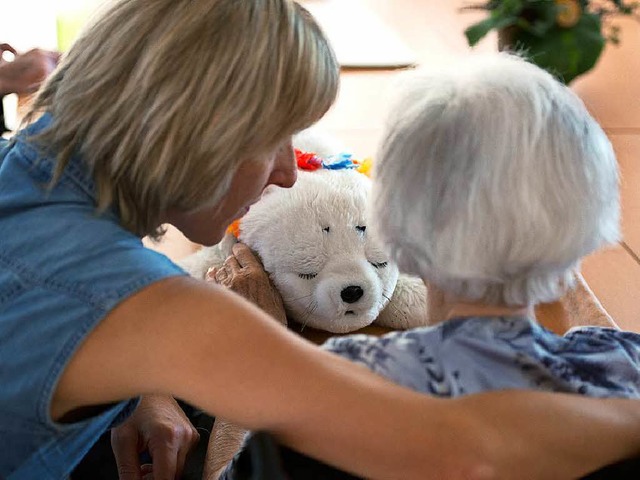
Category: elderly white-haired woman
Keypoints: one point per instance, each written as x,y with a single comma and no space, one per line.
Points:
182,111
493,181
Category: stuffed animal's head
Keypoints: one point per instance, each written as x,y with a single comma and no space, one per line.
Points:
314,242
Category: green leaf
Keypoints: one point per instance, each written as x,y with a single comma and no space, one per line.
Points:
565,52
545,14
477,31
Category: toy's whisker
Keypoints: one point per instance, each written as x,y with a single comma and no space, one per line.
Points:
306,318
312,308
296,299
390,303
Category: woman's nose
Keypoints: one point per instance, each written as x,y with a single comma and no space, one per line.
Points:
285,171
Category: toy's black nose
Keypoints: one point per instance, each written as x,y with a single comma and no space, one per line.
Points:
351,294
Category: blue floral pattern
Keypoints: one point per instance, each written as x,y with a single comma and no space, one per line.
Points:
470,355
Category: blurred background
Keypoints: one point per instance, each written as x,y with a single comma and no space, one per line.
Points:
594,45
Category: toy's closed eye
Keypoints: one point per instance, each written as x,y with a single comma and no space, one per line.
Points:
307,276
379,264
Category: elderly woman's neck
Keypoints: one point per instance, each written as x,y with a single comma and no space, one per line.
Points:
465,309
443,307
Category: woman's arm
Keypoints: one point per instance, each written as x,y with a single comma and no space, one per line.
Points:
208,346
550,435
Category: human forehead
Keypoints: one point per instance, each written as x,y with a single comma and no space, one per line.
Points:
268,153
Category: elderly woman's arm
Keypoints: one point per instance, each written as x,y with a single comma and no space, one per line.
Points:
208,346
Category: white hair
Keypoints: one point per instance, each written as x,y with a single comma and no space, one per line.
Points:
493,181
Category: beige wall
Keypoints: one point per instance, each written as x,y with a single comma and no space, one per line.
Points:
612,93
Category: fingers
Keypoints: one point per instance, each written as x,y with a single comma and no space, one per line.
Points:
240,267
5,47
146,471
124,442
245,256
43,55
165,460
54,56
170,449
220,275
182,458
239,259
232,264
211,274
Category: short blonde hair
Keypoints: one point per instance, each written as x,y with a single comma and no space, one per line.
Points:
493,181
163,99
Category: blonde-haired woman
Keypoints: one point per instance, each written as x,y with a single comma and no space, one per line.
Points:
182,111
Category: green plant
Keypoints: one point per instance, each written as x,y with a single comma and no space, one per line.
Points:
565,37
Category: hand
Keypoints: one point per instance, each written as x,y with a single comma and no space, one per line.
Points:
27,71
243,273
5,47
160,427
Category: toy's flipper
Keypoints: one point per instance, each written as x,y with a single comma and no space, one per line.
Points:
407,307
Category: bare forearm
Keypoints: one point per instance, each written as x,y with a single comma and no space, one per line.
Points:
514,434
569,435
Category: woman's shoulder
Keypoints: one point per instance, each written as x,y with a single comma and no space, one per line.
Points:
58,240
70,251
29,162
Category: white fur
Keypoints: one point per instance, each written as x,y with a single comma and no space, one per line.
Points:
312,229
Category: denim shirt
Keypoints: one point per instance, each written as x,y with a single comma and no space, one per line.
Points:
63,268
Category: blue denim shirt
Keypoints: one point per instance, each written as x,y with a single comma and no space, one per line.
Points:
63,268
